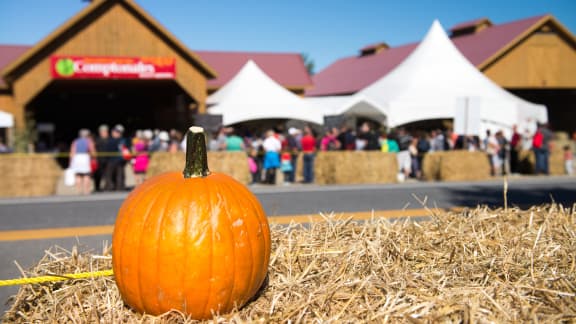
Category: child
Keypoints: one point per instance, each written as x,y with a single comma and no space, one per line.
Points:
253,165
286,166
568,167
141,161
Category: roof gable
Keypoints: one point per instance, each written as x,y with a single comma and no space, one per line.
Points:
431,80
287,69
351,74
537,23
96,9
9,54
480,47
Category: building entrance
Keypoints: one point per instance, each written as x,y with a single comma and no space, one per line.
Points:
66,106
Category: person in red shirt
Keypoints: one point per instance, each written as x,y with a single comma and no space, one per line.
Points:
308,143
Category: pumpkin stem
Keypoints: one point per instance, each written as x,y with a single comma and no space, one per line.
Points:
196,157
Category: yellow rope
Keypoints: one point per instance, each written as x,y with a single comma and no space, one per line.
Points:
60,155
41,279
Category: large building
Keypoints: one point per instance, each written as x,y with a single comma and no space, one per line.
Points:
114,63
534,58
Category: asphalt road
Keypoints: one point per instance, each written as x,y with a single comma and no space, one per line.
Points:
98,210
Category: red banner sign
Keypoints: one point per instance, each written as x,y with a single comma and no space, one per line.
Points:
92,67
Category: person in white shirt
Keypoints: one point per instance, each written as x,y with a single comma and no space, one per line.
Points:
272,147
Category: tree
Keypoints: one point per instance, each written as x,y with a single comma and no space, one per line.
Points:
308,63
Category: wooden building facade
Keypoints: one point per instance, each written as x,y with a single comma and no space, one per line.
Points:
534,58
109,31
540,66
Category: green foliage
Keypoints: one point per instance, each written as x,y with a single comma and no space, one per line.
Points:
25,137
308,63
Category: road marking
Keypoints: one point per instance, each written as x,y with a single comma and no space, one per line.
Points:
318,217
62,232
50,233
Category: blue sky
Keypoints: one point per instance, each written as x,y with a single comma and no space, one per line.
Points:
325,30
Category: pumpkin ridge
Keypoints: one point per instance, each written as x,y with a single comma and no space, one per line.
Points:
151,207
261,218
119,229
166,214
206,185
235,195
186,239
230,221
134,204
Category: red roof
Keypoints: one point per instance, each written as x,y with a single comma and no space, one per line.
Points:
8,54
287,69
468,24
345,76
480,46
351,74
375,45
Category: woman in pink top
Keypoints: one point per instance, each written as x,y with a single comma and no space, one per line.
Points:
330,140
141,160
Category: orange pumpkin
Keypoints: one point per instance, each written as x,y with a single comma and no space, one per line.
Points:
198,243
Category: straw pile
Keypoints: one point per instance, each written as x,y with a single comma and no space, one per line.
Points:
353,167
556,160
431,166
557,157
480,266
27,175
234,164
456,166
526,161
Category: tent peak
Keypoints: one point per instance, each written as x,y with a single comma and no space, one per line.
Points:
251,95
435,28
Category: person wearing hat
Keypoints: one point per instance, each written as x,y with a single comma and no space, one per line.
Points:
114,174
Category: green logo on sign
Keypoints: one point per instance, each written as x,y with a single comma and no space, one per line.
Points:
65,67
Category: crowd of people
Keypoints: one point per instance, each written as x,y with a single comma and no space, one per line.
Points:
279,150
103,158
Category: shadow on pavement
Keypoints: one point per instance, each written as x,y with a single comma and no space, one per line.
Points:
517,197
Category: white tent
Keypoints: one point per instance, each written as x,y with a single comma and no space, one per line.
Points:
253,95
6,120
435,81
354,106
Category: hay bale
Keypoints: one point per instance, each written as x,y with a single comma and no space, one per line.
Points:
557,156
354,167
464,166
561,136
234,164
325,168
475,266
161,162
28,175
299,176
431,166
527,160
455,166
